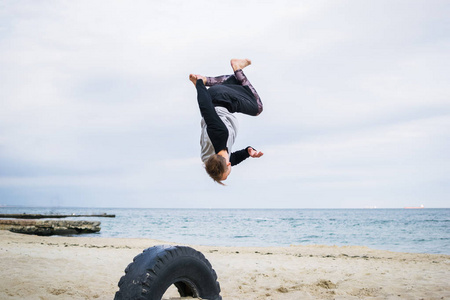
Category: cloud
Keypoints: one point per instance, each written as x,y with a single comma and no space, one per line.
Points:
95,101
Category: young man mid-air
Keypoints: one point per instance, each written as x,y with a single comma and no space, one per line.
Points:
227,94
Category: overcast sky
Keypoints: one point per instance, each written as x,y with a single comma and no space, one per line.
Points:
96,108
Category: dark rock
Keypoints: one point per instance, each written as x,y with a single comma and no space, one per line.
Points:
49,227
42,216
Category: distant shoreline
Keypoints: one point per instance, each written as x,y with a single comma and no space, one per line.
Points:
215,208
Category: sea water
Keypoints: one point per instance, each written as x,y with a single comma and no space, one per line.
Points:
405,230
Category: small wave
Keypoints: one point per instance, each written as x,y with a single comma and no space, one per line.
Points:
420,240
312,237
303,241
380,221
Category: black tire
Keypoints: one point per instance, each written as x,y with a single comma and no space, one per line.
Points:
153,271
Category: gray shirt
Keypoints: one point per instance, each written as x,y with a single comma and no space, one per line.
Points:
232,125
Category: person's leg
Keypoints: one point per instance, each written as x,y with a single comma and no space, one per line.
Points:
211,81
216,94
238,65
240,76
224,91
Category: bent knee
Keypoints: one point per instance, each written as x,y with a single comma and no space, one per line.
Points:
260,109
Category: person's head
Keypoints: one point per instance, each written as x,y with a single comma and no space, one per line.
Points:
218,168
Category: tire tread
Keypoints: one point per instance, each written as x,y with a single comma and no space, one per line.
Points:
156,259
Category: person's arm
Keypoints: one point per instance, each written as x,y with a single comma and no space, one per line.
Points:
216,129
238,156
210,81
241,155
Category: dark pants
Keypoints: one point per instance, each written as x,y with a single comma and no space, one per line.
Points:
235,93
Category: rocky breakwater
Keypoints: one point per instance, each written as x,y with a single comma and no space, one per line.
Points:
49,227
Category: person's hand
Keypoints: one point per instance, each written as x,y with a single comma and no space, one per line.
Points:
253,153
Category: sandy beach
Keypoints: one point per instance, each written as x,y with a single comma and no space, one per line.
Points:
35,267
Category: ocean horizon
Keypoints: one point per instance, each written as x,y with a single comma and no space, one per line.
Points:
403,230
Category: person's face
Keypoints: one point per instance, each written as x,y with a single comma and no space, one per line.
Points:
227,172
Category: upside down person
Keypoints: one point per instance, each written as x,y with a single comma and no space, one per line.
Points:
227,94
